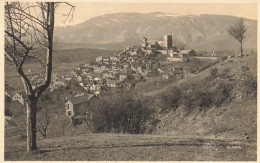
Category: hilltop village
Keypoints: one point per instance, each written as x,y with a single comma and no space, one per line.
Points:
123,70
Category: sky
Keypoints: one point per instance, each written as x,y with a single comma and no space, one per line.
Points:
86,10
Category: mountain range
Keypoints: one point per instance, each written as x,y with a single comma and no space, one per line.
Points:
199,32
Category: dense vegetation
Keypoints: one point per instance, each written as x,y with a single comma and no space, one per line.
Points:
215,89
121,112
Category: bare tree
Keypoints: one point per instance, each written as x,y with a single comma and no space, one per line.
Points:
238,31
29,31
45,120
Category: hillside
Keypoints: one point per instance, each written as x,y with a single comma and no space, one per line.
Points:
234,118
203,32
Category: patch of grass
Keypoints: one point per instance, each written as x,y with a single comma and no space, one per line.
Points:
118,147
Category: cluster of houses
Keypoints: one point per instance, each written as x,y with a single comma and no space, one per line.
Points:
124,69
120,71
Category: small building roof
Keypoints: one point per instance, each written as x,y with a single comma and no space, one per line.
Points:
80,99
128,81
113,81
187,51
23,94
178,72
9,122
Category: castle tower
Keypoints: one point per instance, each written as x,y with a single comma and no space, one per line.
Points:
168,41
144,43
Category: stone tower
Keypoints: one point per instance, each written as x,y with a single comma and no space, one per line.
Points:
168,41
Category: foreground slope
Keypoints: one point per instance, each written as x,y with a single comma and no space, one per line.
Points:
124,147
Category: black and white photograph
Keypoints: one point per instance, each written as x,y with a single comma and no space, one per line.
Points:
129,80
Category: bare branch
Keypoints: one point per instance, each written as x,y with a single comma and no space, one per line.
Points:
17,39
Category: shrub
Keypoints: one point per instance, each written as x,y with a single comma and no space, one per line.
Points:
205,98
214,72
245,68
250,84
152,125
171,98
7,112
222,93
225,73
188,100
7,106
122,111
201,96
224,58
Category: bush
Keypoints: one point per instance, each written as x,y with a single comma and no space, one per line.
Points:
222,93
7,106
250,84
7,112
201,96
188,100
171,98
122,111
214,72
224,58
205,98
225,73
245,68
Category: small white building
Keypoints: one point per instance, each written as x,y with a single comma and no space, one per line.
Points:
122,77
174,59
74,105
99,58
18,97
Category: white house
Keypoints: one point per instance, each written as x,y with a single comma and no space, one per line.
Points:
174,59
18,97
122,77
99,58
113,58
112,83
74,104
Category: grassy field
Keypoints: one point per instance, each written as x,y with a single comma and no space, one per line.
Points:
124,147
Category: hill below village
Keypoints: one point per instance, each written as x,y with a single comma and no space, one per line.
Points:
116,31
199,112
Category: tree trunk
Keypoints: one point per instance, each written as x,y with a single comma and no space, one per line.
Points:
31,125
241,48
